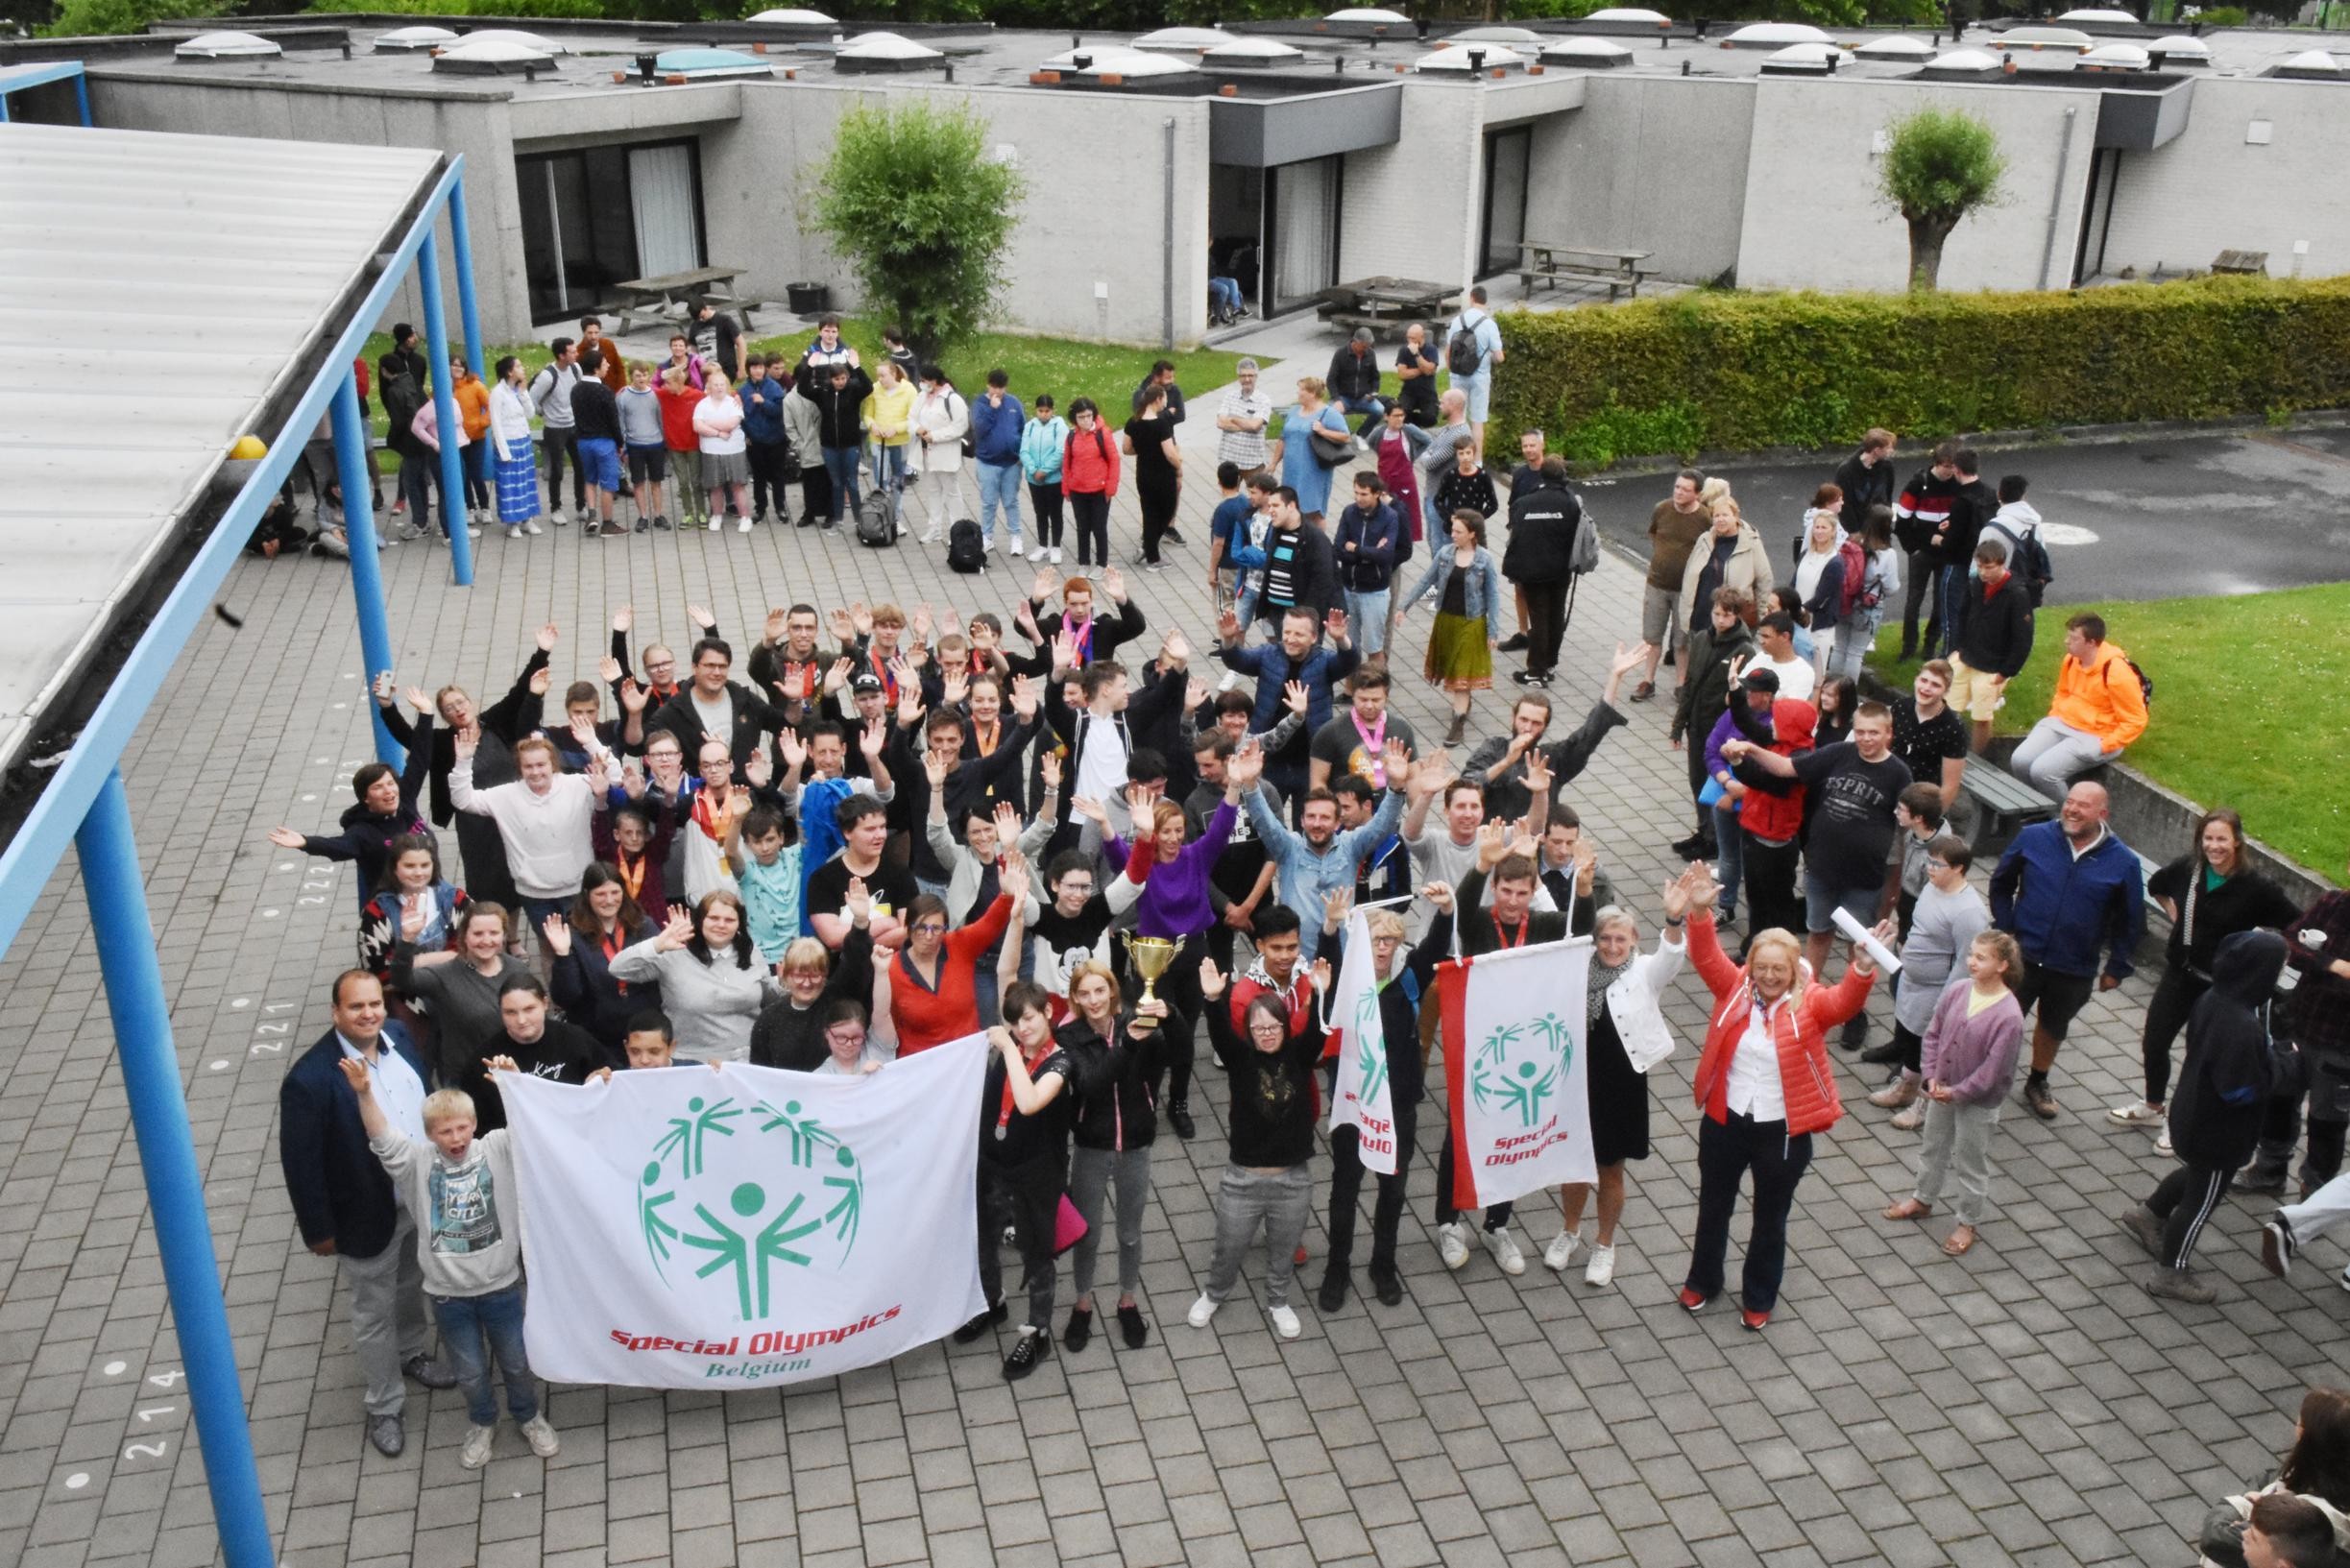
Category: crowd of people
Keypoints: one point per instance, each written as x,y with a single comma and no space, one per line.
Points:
894,829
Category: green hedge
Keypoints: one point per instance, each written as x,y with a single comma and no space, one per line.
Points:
1727,372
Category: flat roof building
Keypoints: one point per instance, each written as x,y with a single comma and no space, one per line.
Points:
1296,153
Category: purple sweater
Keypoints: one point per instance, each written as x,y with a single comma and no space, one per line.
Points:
1975,1056
1175,897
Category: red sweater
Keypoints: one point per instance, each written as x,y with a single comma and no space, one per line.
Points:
1089,464
677,417
1800,1032
926,1016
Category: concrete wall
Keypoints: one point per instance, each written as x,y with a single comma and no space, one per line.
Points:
1656,163
1812,216
477,127
2208,191
1409,210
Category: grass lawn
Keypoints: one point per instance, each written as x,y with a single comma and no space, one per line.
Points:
1067,368
2240,715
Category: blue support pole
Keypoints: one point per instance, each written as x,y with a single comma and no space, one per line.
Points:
366,571
81,97
461,255
167,1158
445,411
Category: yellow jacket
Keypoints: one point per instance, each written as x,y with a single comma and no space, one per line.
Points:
891,409
2101,697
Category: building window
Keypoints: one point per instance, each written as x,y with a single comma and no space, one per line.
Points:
596,216
1507,155
1301,223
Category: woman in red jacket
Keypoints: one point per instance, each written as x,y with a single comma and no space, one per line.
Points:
1089,478
1764,1087
929,996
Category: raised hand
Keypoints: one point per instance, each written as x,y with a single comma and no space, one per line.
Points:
624,618
779,622
414,913
583,731
1085,805
1008,822
1397,757
1064,650
758,772
466,742
634,698
608,669
1246,768
1211,979
418,699
935,765
1050,769
541,680
1296,697
1012,866
909,704
955,689
871,740
1174,650
794,750
1024,617
1335,624
386,689
546,638
1114,583
1430,775
1139,807
837,676
1677,898
861,618
1537,773
1438,894
355,1073
1025,693
701,617
1336,906
1195,692
285,838
921,622
951,622
858,902
1227,626
844,626
677,932
1322,976
558,933
1628,659
1040,589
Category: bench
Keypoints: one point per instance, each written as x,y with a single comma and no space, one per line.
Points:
1547,265
660,298
2243,263
2005,804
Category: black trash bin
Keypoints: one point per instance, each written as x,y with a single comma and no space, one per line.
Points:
808,298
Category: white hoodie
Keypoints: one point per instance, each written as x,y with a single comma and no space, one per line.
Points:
2008,526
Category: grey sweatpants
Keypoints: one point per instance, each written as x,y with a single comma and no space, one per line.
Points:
2319,1212
1280,1203
1957,1143
1094,1172
2055,754
387,1316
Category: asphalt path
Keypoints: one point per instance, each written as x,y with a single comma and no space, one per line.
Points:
2240,513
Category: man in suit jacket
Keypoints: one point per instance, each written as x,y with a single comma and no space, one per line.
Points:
345,1203
713,705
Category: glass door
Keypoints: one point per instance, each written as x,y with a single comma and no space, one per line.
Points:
1506,157
1300,231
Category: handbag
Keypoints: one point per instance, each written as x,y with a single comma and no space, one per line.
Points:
1069,1226
1711,795
1330,448
2221,1539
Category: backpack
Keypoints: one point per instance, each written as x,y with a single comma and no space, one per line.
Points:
1859,594
873,525
1462,355
2146,682
1586,554
966,550
2038,571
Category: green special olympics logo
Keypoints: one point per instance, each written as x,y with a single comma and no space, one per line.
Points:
1522,1064
756,1189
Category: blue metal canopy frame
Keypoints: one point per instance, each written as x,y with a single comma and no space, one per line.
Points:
22,78
86,803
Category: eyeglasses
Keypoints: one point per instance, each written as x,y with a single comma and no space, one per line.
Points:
930,928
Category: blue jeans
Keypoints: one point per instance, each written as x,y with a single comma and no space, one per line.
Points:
1367,613
1223,294
1730,856
1949,584
840,467
999,488
889,466
474,1329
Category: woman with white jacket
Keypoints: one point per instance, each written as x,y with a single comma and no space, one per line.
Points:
941,417
514,465
1626,1035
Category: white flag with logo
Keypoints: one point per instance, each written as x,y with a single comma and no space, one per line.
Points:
748,1227
1361,1098
1515,1070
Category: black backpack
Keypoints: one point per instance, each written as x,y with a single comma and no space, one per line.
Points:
1462,355
2038,571
873,525
966,550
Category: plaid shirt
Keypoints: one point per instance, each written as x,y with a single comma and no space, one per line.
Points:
2321,1002
1245,447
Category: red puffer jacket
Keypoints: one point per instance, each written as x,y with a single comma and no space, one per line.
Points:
1800,1030
1781,817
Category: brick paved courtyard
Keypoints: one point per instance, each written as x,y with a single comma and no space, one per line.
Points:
2027,1404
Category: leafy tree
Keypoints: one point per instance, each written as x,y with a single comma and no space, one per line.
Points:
922,212
88,18
1940,166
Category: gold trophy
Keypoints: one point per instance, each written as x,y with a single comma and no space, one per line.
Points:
1149,955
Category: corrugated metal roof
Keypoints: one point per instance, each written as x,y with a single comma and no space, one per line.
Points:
156,292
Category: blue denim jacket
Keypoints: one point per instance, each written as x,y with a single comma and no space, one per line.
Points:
1484,581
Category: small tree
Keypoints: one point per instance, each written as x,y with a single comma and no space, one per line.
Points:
923,214
1940,166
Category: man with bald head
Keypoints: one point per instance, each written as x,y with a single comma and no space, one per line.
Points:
2066,889
1442,454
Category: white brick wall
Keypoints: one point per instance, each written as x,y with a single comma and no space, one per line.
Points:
1656,163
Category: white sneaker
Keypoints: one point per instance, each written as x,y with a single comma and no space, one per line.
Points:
1285,1321
514,530
929,535
1504,1247
1056,555
2162,1144
717,523
1202,1310
542,1439
473,532
476,1452
1018,548
532,527
2137,1113
1601,1268
743,525
1562,1250
1452,1244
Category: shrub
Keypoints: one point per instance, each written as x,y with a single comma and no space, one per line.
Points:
1727,372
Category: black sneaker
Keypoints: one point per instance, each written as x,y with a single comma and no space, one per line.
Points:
1883,1055
2267,1183
1525,677
644,525
1515,643
1178,1117
661,524
1688,848
1386,1285
808,519
1332,1293
2041,1101
427,1372
1173,536
1131,1328
2277,1247
1033,1346
1080,1330
981,1324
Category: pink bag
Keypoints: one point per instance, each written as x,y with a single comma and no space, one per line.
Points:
1069,1227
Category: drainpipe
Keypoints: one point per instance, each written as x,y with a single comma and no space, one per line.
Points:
2056,203
1167,258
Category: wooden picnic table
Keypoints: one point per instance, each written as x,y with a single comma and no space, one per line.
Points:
1545,263
1382,301
655,296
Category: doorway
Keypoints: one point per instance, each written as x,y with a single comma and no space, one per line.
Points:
1508,154
1300,231
596,216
